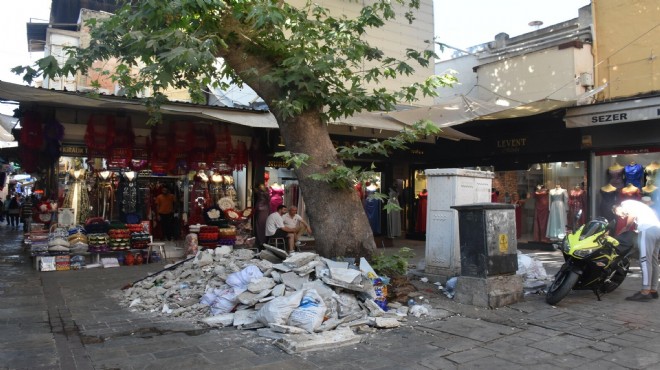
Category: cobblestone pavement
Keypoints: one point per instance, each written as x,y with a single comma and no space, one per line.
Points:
71,320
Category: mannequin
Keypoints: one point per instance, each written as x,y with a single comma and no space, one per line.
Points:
372,208
649,189
630,191
262,210
651,171
558,198
615,175
608,198
420,223
393,217
276,192
577,200
518,204
634,174
541,212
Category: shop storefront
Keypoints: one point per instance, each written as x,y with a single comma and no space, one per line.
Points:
624,144
538,165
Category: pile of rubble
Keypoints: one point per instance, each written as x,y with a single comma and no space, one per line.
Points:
302,300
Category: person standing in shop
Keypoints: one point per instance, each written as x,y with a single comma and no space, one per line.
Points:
165,207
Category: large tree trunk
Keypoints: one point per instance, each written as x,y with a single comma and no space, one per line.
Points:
337,217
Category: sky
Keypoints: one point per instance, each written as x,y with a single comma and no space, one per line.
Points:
458,23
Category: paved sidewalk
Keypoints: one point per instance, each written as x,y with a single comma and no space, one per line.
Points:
71,320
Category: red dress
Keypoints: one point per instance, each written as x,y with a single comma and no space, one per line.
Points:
420,224
630,192
577,200
542,211
518,211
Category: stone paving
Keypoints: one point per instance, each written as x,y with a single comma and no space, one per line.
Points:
71,320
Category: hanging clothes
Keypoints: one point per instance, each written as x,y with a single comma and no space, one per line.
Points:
393,217
420,223
541,212
372,208
557,219
276,193
577,200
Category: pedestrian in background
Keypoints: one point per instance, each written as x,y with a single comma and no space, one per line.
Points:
648,227
27,212
5,208
15,210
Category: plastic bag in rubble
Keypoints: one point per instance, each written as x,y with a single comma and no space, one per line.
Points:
530,268
278,310
418,310
450,287
309,314
220,300
240,280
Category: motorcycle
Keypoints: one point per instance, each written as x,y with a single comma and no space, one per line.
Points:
593,261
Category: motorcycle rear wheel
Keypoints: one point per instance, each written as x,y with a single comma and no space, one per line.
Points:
563,284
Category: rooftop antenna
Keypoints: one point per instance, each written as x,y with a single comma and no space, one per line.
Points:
535,24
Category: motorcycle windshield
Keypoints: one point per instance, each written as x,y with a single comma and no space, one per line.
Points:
593,227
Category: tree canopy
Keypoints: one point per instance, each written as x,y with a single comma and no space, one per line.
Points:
309,65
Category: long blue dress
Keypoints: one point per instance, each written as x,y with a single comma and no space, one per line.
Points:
372,208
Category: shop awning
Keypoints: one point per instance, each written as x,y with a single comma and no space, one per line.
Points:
386,121
19,93
633,110
460,109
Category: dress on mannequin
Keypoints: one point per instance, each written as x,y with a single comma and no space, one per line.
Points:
518,204
634,173
393,217
420,224
276,192
651,172
262,210
615,175
577,200
541,212
630,191
557,219
608,198
372,208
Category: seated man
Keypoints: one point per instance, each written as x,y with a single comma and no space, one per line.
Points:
275,227
292,220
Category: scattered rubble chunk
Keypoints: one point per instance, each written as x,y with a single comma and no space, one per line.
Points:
225,319
296,343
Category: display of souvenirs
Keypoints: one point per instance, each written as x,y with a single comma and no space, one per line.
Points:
227,236
63,263
98,243
208,236
58,242
77,262
39,242
78,243
97,225
120,237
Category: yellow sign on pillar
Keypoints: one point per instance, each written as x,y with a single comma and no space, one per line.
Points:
504,243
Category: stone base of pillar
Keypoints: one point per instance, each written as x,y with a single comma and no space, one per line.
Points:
492,292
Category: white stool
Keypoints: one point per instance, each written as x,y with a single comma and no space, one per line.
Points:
278,243
161,250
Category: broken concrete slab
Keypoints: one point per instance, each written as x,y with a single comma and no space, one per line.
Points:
297,260
269,333
245,317
250,299
278,290
297,343
346,275
335,264
282,267
269,256
386,322
260,284
292,280
223,250
341,284
374,308
276,251
287,329
308,268
226,319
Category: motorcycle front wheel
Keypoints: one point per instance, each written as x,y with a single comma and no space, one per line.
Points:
564,282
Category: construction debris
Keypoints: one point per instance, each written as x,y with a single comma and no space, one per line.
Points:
302,301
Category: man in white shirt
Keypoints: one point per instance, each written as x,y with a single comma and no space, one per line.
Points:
275,227
648,238
292,220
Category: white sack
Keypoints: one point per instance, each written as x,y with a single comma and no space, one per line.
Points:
278,310
310,312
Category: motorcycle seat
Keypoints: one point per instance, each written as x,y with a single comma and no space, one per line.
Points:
626,242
